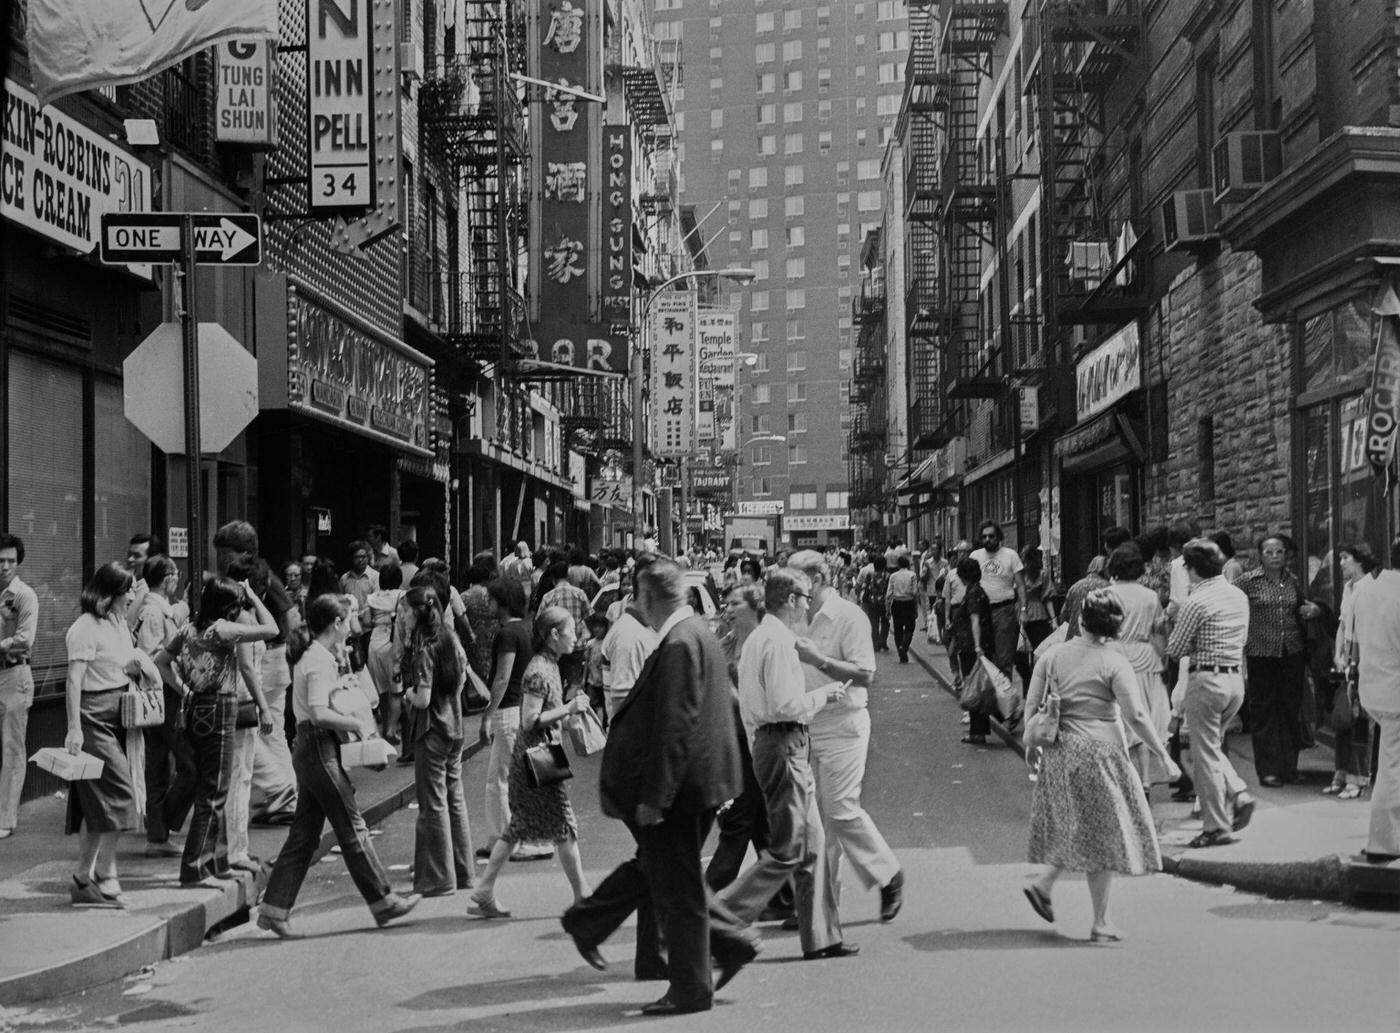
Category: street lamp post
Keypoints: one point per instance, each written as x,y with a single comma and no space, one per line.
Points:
738,275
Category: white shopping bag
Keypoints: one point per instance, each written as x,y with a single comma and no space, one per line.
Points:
1008,698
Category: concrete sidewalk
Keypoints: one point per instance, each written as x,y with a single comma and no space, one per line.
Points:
51,948
1300,843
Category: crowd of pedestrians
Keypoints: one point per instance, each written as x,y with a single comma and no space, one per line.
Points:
755,720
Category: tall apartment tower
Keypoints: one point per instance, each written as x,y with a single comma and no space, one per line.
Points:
783,114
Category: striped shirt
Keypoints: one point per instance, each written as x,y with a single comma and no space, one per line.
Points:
1213,625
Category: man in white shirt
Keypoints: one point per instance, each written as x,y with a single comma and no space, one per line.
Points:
383,553
19,623
626,646
1005,584
776,705
1376,607
839,649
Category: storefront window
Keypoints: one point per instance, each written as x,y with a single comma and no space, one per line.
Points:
1353,341
1317,352
45,492
122,472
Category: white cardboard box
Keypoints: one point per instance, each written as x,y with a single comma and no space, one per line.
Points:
368,753
67,766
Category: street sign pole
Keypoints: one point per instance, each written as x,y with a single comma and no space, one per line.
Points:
189,326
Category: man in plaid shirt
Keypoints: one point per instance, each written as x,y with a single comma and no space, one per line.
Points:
576,601
1211,629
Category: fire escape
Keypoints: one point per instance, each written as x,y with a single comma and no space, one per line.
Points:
1085,46
971,194
866,462
925,103
474,120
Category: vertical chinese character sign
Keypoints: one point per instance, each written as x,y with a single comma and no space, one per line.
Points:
566,231
673,387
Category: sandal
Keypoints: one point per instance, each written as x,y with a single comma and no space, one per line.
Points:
1214,837
1351,792
86,894
485,906
1334,788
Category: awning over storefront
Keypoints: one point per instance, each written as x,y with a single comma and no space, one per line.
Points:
1108,438
915,484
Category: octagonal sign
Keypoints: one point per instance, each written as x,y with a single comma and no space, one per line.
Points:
154,389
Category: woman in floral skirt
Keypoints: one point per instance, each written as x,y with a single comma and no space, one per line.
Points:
1088,810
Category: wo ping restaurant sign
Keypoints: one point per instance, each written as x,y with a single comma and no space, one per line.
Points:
344,375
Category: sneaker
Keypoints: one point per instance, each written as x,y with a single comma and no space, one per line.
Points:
400,907
6,833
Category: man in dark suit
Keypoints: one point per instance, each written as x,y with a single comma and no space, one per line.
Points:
670,762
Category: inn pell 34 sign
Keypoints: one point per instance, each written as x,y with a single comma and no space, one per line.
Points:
340,104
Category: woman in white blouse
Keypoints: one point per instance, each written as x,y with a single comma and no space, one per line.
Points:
102,662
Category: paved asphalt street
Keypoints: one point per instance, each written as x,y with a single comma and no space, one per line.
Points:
966,953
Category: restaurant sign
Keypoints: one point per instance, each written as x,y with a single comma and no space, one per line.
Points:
342,374
1108,373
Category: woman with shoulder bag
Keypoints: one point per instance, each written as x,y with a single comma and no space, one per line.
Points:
433,673
249,721
102,662
324,793
207,655
1088,811
539,813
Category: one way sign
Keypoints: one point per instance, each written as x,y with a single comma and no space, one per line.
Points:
220,238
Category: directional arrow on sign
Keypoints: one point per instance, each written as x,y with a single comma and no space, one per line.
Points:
226,239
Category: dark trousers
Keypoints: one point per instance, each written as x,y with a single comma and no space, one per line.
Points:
1036,633
664,885
1005,633
904,615
324,793
169,773
1274,699
442,839
743,822
879,623
209,729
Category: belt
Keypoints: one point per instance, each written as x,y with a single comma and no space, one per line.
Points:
7,664
1217,668
1004,602
783,726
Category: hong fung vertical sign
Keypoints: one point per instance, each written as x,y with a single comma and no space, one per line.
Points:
617,223
673,387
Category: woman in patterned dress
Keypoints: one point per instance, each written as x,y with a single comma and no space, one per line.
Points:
1088,810
539,813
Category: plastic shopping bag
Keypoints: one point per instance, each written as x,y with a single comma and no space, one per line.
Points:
586,734
1008,697
977,695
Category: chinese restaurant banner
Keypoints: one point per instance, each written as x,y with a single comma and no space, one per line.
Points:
673,387
717,335
566,230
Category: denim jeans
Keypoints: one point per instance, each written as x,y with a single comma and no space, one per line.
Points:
324,793
169,773
442,840
209,725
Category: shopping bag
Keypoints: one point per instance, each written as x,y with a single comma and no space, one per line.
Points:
586,734
1008,697
142,708
977,695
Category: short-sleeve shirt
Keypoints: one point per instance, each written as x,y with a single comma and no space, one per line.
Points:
314,679
208,663
841,630
278,602
514,637
105,644
156,625
999,570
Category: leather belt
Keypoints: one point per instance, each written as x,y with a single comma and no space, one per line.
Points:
783,726
1217,668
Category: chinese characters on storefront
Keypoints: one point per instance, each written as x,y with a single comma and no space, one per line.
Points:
673,387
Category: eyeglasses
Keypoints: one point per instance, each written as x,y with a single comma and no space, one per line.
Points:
802,595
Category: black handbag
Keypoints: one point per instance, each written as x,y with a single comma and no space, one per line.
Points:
546,764
247,714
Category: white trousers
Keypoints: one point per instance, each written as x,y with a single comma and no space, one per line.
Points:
239,790
1384,837
505,726
840,742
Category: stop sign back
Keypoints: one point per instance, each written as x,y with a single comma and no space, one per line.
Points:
154,389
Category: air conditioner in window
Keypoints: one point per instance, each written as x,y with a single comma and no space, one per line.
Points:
1189,218
411,61
1245,161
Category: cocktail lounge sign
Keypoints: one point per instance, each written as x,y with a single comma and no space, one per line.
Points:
340,373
